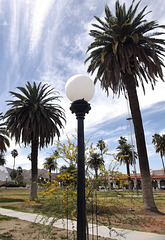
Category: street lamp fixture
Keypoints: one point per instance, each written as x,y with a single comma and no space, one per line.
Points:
80,90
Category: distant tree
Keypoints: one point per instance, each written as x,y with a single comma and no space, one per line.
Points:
35,119
159,142
124,154
50,164
29,157
101,146
19,170
16,175
68,175
2,159
14,154
13,174
95,162
19,178
4,136
56,155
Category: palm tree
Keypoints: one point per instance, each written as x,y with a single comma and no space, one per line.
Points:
2,159
68,175
29,157
101,146
159,142
95,162
14,154
35,119
125,155
125,52
50,164
4,141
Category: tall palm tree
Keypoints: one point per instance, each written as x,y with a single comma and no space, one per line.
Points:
125,155
2,159
14,154
50,164
35,119
127,52
159,142
4,141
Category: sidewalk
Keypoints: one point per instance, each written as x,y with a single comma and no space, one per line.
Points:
115,233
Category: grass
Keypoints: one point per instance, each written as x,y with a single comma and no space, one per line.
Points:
115,208
112,198
5,218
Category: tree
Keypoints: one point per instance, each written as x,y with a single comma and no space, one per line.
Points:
4,141
95,162
68,175
50,164
126,51
35,119
19,178
16,175
2,159
125,155
13,174
101,146
159,142
14,154
29,157
56,156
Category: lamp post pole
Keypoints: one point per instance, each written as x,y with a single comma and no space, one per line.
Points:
80,89
80,108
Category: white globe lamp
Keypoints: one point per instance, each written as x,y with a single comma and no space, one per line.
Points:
79,87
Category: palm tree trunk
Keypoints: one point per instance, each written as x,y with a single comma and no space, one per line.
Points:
97,185
50,175
14,164
163,164
128,173
148,200
34,170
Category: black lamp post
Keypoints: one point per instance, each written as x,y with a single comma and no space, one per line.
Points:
80,89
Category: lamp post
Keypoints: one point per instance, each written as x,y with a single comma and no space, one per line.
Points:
6,181
80,90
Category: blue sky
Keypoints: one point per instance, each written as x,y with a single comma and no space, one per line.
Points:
47,41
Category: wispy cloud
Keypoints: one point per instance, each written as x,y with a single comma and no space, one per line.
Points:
48,42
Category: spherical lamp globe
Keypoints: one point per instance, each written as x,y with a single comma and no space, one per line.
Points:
79,87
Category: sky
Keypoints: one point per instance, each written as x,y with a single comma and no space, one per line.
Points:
46,41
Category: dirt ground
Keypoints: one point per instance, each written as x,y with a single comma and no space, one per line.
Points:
15,229
143,221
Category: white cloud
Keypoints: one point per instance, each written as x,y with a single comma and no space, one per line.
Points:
47,42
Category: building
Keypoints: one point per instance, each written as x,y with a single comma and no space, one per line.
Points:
157,177
4,175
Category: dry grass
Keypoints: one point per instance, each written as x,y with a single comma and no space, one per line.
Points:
114,209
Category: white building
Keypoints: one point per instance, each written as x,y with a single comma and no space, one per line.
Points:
4,175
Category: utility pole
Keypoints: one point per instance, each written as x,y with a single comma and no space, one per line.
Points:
133,156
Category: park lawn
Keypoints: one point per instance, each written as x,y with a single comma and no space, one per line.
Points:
121,209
